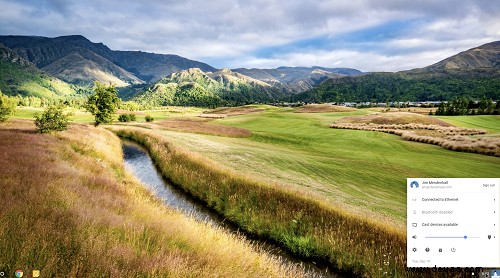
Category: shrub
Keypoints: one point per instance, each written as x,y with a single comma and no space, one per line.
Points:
7,107
52,119
149,118
126,117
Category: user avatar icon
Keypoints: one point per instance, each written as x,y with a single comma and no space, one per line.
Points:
414,184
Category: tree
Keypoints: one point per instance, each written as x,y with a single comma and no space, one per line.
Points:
52,119
441,109
490,107
497,108
7,107
458,106
486,106
103,103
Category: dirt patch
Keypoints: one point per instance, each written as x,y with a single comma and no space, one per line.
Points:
233,111
400,118
203,126
323,108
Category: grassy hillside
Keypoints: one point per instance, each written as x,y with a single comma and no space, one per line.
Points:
187,94
20,77
195,88
22,80
484,56
70,209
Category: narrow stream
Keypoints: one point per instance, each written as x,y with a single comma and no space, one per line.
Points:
138,161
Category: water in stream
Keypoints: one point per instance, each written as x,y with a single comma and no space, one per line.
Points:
137,161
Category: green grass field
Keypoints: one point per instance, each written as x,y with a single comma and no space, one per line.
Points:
362,171
488,123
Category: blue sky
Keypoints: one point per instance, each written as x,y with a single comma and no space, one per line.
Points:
384,35
372,38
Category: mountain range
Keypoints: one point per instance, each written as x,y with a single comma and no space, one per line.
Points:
54,67
77,60
474,73
297,79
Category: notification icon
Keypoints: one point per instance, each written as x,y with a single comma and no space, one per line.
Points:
19,273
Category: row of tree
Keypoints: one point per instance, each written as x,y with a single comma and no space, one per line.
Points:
464,106
34,101
400,86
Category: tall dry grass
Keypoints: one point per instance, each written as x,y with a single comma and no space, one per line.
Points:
311,228
448,137
394,118
323,108
70,210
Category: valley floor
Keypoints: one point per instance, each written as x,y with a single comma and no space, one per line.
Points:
334,194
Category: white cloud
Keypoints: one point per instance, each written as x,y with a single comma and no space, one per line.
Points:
228,32
365,61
